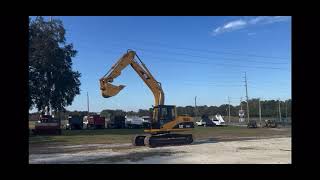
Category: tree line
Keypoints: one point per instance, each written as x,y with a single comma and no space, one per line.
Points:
269,108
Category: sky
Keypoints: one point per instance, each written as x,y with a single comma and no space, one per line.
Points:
203,56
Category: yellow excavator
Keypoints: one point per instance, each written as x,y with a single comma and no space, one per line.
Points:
165,121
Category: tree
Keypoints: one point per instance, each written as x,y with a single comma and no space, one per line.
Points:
108,113
52,83
143,112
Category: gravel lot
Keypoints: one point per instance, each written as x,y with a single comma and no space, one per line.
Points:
258,151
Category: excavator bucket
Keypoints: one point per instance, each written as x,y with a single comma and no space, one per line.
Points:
109,90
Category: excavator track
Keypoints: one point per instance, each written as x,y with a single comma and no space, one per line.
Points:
138,140
167,139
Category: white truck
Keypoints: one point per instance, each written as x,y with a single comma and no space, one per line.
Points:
201,123
134,122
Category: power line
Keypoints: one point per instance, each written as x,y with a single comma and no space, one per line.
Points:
217,85
164,45
228,84
218,64
222,58
146,50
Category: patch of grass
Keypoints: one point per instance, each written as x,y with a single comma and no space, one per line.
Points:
76,137
102,132
111,136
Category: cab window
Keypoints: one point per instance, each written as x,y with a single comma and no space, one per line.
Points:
163,113
173,113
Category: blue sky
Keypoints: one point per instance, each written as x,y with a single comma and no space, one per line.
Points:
191,56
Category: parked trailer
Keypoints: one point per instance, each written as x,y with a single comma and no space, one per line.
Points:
96,122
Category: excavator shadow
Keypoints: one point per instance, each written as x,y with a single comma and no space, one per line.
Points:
134,157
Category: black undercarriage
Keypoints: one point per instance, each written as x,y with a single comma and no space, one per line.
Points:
162,139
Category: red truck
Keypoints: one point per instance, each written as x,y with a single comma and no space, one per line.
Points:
96,122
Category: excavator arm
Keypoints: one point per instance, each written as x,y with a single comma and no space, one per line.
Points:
109,90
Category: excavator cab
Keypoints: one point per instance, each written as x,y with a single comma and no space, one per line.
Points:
163,115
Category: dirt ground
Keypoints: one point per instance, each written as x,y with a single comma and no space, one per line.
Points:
272,150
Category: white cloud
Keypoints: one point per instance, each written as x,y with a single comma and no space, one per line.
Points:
257,19
268,19
239,24
235,24
230,26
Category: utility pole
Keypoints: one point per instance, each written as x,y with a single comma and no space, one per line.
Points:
279,112
259,112
88,102
245,80
229,108
287,111
195,106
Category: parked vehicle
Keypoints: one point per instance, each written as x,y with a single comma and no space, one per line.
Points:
205,121
85,122
201,123
133,122
146,123
252,124
218,120
96,122
117,122
74,122
271,124
47,125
